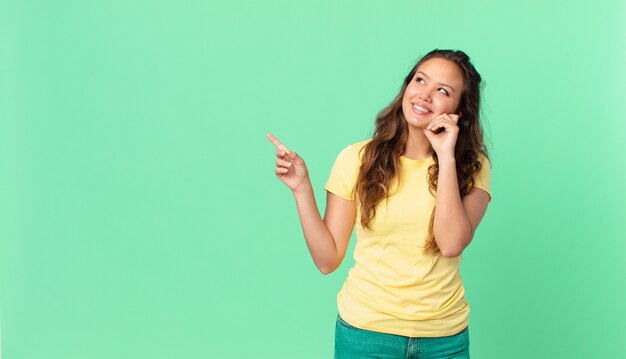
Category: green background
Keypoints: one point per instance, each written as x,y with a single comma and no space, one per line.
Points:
140,215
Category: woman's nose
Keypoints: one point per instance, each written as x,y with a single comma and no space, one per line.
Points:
425,95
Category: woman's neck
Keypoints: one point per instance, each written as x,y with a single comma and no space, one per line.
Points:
417,146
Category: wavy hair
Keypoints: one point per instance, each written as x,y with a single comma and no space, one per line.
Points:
381,159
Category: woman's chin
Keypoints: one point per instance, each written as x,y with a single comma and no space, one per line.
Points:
417,124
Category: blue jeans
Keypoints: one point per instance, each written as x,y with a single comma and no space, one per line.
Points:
352,342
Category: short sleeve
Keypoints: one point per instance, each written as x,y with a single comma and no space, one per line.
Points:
343,174
483,179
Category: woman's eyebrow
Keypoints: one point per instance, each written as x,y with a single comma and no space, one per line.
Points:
441,83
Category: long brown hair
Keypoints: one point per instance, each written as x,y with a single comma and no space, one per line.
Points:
381,157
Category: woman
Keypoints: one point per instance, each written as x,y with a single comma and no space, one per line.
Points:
415,192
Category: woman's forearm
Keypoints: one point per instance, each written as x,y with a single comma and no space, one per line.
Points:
452,227
317,236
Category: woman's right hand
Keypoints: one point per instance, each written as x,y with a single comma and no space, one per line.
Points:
290,167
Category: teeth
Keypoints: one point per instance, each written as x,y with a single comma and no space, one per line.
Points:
420,108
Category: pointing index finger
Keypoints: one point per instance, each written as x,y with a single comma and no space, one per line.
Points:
276,142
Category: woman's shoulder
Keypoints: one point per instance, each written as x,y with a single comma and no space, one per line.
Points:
484,160
357,147
352,154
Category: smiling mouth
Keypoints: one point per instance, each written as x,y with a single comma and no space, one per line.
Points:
420,110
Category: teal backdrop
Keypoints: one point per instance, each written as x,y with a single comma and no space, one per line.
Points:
140,215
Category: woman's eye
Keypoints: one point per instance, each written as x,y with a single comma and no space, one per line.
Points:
419,79
444,92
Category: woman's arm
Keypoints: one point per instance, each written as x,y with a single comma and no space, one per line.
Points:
455,220
327,240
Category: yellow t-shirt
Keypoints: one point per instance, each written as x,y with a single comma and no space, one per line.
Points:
394,287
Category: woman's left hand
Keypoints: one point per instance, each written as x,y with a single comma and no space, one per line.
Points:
444,142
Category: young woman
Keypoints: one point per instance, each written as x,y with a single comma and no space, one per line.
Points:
415,192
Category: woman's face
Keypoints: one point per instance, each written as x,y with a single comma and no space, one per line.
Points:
435,89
